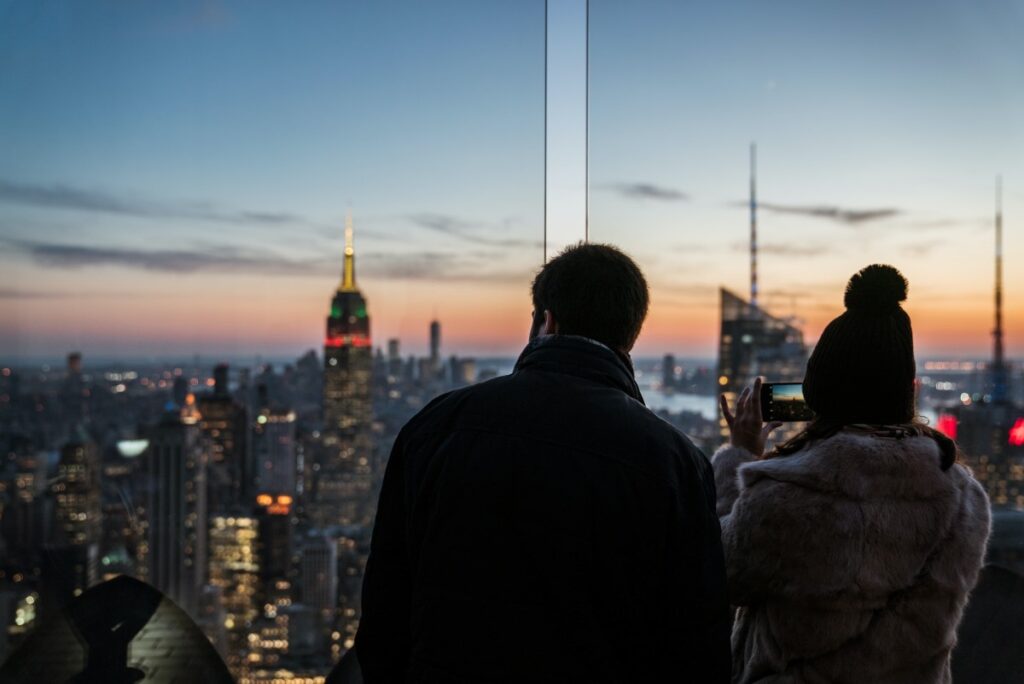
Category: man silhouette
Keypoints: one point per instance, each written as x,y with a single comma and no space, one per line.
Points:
545,525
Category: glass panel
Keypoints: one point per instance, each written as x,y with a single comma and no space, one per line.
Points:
201,378
566,124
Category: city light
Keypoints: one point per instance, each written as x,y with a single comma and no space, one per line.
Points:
946,424
131,448
1017,433
348,341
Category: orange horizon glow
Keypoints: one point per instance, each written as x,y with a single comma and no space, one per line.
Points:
476,319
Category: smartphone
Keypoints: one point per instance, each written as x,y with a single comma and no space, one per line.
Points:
784,401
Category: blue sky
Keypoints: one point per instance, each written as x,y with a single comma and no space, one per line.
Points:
174,176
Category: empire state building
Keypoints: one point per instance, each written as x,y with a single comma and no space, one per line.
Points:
348,355
342,489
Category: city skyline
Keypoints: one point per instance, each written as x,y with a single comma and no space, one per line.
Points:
200,393
154,206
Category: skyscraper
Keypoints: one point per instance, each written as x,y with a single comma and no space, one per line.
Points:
348,354
668,373
175,509
235,570
274,452
72,562
76,491
75,392
318,575
751,342
345,478
224,422
1000,374
274,523
394,358
991,430
435,342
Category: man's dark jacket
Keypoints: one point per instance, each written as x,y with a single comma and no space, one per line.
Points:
546,526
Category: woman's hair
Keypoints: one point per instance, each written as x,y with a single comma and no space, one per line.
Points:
820,428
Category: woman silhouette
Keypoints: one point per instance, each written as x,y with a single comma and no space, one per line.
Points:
850,549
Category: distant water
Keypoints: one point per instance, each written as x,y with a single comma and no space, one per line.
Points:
705,405
678,401
653,396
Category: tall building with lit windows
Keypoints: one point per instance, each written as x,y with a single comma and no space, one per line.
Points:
224,421
71,564
235,570
348,354
753,343
76,491
274,451
345,478
174,553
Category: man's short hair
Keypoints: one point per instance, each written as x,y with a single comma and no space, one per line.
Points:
595,291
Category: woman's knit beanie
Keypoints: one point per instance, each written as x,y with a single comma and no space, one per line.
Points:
862,369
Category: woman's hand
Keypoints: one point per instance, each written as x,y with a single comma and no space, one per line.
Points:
746,429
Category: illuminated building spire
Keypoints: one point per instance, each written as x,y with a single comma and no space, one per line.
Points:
753,224
348,274
999,380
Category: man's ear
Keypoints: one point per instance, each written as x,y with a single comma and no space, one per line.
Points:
550,325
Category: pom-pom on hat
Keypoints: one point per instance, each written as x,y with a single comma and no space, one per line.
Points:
862,369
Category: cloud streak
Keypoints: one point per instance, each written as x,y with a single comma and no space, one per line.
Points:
849,217
433,266
11,293
468,231
212,259
783,249
442,267
649,191
65,197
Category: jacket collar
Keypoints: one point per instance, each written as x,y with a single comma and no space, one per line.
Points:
583,358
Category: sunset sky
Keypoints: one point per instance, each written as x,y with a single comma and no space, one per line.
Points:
174,176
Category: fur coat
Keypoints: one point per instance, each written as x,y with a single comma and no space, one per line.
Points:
850,560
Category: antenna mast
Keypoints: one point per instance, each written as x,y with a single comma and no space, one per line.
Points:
753,225
999,389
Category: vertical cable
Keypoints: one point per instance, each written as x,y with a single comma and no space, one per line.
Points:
546,131
586,128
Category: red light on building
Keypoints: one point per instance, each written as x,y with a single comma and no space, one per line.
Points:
348,341
278,509
1017,433
946,424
